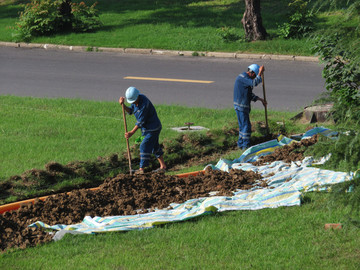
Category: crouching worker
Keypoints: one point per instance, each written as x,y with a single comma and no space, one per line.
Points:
150,125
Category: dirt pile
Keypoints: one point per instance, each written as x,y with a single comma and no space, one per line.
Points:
122,195
288,153
19,186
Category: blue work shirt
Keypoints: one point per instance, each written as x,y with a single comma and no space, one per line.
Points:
243,94
145,115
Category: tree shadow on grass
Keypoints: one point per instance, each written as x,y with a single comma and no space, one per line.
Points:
177,14
10,11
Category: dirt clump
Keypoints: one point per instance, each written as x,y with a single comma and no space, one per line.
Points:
121,195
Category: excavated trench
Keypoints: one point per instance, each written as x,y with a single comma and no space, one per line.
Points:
127,195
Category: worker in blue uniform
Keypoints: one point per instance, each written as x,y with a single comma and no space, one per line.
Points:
243,95
150,125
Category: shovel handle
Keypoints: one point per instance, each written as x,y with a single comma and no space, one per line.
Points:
127,140
264,93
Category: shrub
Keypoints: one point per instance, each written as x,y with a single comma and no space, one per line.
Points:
46,17
345,151
300,21
85,18
342,75
38,18
229,34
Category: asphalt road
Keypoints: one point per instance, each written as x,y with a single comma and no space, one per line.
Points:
290,85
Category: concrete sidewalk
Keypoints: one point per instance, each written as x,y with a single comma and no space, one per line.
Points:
161,52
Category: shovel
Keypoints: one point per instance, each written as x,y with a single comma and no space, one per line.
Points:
266,118
127,140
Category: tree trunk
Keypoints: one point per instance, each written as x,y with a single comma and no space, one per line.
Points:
66,15
252,22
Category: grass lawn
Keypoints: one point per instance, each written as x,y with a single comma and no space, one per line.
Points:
178,25
35,131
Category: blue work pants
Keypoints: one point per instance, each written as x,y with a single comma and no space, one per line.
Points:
244,129
150,145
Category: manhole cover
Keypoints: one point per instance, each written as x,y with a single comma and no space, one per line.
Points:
187,128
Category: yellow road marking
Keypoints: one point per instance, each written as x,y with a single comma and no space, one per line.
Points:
165,79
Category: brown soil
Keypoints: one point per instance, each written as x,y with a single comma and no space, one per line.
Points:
122,195
127,195
288,153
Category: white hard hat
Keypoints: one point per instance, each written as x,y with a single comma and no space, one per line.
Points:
255,68
132,94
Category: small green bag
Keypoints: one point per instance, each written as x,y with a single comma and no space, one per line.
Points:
139,139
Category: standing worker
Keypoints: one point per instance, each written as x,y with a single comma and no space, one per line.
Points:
150,125
243,95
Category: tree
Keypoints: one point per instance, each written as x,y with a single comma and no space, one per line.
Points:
252,21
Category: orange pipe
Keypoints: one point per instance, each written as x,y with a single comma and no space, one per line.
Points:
16,205
182,175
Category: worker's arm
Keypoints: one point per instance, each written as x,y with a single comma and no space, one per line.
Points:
263,101
130,133
261,70
258,78
121,101
128,110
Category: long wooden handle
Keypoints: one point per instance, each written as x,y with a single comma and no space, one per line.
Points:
127,140
266,118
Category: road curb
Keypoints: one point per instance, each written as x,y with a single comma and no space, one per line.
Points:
162,52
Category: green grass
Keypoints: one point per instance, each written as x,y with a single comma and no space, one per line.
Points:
35,131
33,126
176,25
282,238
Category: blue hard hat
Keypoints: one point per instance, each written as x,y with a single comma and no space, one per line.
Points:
255,68
132,94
